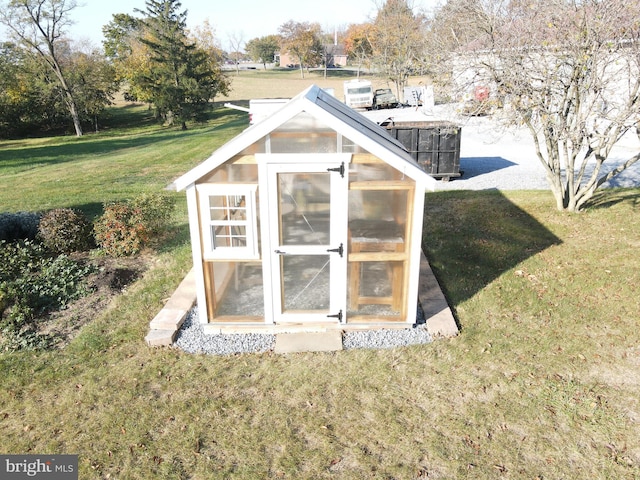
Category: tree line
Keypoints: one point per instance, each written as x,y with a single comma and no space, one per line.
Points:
393,44
47,82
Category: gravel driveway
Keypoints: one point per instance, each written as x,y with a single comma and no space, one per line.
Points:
494,157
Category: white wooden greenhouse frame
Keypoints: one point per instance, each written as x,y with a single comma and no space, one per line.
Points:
312,216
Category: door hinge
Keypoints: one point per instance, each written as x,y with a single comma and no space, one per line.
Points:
338,169
339,250
337,315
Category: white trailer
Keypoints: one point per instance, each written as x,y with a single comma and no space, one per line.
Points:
358,94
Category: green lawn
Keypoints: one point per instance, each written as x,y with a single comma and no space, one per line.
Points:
40,174
543,381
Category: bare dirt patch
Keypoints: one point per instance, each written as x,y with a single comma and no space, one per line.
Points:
111,278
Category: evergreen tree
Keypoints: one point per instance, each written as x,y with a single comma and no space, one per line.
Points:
181,79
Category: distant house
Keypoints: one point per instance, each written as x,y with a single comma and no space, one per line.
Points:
312,216
336,56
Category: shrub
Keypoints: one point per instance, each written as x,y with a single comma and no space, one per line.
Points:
64,230
19,226
126,228
154,211
17,258
119,232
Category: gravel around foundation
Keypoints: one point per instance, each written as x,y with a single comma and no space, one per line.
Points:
192,339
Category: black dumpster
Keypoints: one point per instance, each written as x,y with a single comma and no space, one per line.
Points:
434,145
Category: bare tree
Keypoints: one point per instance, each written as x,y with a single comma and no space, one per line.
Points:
456,26
40,25
397,41
204,36
567,70
236,42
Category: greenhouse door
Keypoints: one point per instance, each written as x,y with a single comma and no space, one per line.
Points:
308,239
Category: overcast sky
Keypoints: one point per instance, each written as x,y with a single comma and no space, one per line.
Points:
245,18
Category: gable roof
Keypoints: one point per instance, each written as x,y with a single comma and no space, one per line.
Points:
336,115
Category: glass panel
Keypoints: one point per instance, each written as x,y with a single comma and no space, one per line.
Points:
376,288
229,236
377,220
349,146
305,282
376,279
304,134
359,172
258,147
303,143
304,208
223,207
239,214
243,291
233,173
304,123
218,210
354,91
218,237
238,209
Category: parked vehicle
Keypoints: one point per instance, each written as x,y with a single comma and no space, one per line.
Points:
384,98
358,94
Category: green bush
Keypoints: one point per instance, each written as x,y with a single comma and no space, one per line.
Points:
18,226
119,231
64,230
32,283
154,211
126,228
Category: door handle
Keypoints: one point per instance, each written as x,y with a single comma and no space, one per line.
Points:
339,250
279,252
